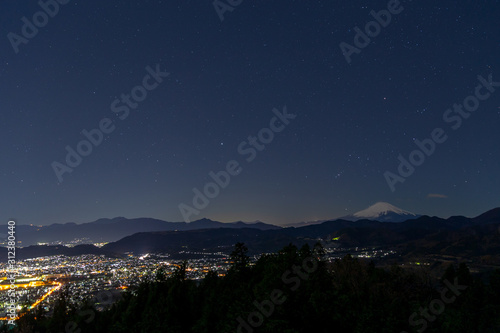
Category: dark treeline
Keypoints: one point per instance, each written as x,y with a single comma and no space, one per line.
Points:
291,291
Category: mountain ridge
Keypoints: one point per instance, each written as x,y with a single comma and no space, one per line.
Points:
456,235
112,229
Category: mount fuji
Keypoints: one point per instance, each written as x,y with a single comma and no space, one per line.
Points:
382,212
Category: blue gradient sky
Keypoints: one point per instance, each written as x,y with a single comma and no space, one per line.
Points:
352,120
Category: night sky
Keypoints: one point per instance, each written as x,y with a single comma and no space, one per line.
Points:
352,119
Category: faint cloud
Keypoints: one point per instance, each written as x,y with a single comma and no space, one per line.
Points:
436,195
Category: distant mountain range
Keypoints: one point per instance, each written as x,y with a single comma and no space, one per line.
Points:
456,236
110,230
459,236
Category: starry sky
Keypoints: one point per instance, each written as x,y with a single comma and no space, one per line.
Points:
352,119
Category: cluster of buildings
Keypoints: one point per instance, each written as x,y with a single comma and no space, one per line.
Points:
88,276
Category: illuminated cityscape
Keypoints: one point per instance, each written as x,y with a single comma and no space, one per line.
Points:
40,279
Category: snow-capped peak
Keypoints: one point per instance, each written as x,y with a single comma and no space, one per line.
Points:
381,209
